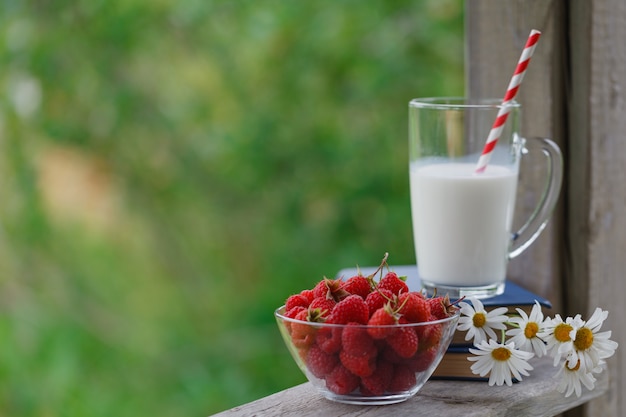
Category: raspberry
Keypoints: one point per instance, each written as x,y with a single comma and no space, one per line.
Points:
292,315
308,294
422,360
329,288
329,339
364,391
429,335
414,307
360,365
377,299
350,309
303,334
296,300
390,355
294,312
320,289
404,341
356,341
378,382
358,285
441,308
320,363
437,309
341,381
403,379
393,283
384,316
324,305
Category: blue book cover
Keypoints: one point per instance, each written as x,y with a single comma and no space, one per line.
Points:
514,295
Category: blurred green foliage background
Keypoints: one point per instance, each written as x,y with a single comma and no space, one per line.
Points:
171,170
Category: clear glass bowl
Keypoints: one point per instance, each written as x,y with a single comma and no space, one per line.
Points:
360,364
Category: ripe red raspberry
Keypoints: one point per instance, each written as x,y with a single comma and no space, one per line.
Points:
329,339
302,333
356,341
403,379
378,382
360,365
296,300
292,315
321,289
377,299
393,283
350,309
324,305
429,335
319,362
385,317
422,360
329,288
308,294
294,311
358,285
414,307
390,355
441,308
341,381
404,341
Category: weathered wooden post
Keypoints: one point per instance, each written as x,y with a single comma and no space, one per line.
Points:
574,92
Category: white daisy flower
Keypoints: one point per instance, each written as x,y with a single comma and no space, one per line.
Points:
558,335
479,323
590,346
572,377
501,360
525,335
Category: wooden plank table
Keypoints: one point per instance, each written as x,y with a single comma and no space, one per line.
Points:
536,395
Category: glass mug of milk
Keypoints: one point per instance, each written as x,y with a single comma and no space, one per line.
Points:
462,218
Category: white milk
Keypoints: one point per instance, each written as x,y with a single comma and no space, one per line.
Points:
462,222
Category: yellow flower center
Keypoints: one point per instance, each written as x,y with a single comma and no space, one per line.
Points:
584,339
479,319
561,332
575,368
531,330
501,354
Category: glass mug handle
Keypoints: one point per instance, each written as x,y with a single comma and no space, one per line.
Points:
538,220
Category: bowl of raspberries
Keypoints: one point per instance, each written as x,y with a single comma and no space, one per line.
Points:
367,339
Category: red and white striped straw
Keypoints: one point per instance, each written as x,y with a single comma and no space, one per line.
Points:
505,109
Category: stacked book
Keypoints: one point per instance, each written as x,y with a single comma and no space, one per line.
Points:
454,364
